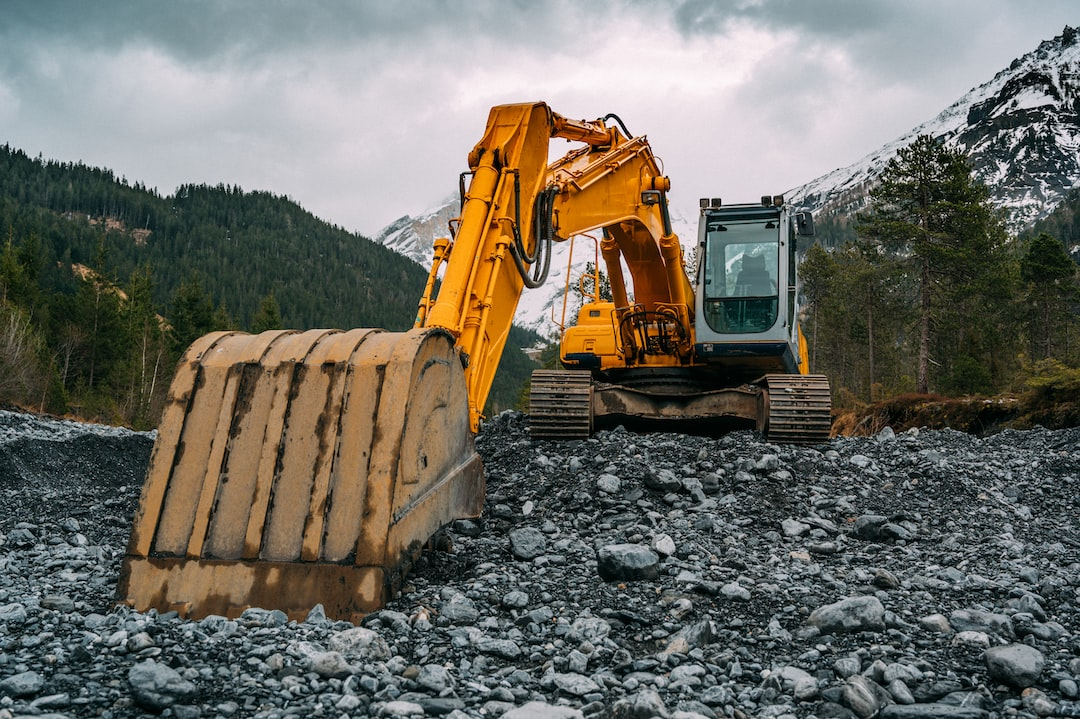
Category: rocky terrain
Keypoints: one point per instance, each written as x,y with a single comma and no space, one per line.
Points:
926,574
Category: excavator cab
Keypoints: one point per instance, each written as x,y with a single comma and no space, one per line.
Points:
741,268
746,318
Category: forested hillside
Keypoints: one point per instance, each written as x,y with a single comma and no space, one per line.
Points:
931,294
104,282
241,245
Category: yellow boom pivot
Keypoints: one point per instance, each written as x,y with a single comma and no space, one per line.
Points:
296,468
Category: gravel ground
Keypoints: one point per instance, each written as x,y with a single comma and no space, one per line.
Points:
929,574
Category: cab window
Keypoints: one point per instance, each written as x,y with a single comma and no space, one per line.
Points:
741,269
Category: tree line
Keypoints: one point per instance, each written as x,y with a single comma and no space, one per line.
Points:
933,295
103,283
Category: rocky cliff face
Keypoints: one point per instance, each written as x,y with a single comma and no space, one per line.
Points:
415,237
1020,129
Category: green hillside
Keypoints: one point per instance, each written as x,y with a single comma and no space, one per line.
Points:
203,258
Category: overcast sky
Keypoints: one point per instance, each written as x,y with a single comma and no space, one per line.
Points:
365,111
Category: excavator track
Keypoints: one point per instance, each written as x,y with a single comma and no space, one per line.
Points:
560,404
799,408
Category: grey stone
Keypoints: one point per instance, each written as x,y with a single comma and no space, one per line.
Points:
359,643
910,675
504,648
663,544
900,692
316,615
853,614
646,704
976,620
663,480
58,603
885,579
527,543
1040,704
716,695
13,613
589,629
543,710
515,599
577,662
435,677
938,623
21,537
22,684
892,530
861,461
934,691
932,711
864,697
329,664
847,666
735,591
794,528
575,684
399,708
797,682
868,526
1017,665
608,483
627,562
459,609
157,686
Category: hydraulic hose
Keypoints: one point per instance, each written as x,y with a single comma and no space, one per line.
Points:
616,118
543,231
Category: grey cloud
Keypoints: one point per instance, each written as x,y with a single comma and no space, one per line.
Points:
313,98
895,40
246,31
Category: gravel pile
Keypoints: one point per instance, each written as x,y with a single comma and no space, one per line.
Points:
929,574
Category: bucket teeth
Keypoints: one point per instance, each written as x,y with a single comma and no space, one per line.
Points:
294,469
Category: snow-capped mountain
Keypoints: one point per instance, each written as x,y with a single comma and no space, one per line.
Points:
540,310
1021,131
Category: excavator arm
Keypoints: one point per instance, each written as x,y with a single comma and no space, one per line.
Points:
518,204
295,468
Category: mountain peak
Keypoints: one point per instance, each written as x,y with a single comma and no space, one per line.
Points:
1020,131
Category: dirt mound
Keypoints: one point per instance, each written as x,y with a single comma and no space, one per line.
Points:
974,415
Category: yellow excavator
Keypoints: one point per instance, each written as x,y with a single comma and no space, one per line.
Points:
301,468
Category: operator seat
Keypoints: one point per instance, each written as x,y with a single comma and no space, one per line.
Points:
753,279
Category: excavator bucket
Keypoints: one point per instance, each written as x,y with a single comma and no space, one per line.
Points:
296,468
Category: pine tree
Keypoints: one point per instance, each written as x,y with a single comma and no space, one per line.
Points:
857,307
928,209
268,317
1049,277
147,363
192,314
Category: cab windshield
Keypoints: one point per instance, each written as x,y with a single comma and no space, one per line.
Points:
742,261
